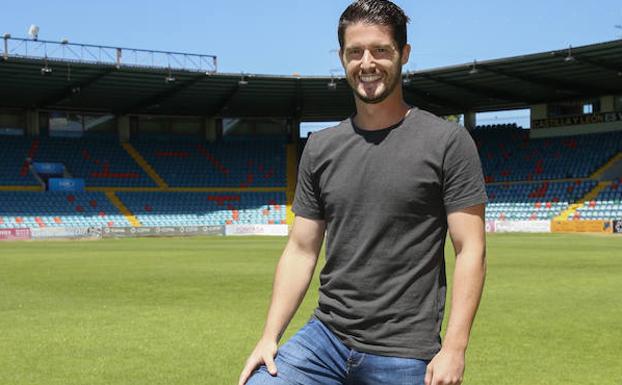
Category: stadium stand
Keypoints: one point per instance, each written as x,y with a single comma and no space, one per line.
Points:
536,185
20,209
606,205
533,201
100,161
196,209
508,154
14,169
245,162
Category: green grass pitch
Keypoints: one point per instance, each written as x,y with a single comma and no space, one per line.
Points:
188,311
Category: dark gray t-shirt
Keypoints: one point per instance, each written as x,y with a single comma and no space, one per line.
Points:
385,196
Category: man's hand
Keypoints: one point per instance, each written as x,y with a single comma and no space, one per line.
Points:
264,353
446,368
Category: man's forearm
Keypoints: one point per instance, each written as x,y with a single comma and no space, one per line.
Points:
293,275
468,284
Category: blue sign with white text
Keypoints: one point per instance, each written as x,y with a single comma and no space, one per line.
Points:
66,184
47,168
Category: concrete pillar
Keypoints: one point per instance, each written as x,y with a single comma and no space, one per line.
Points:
293,130
469,120
607,103
123,128
210,129
539,111
33,124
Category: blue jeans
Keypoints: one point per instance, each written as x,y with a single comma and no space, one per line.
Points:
315,356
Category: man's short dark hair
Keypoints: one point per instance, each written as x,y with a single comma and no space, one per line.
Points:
378,12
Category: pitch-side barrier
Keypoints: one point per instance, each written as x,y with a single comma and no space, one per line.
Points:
583,226
136,232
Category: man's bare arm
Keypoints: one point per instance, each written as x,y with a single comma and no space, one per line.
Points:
291,281
467,232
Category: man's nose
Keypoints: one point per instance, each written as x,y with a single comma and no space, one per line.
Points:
367,61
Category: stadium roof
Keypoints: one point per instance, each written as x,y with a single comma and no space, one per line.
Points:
508,83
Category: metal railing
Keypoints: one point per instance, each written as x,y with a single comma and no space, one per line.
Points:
97,54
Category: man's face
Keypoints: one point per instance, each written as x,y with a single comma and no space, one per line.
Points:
372,61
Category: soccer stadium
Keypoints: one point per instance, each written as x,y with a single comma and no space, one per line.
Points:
128,175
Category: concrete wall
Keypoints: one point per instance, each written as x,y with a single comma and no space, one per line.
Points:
575,130
260,127
13,119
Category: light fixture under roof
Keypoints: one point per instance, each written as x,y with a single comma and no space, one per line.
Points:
169,78
569,58
46,70
242,82
473,69
332,85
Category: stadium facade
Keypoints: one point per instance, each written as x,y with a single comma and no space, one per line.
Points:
116,141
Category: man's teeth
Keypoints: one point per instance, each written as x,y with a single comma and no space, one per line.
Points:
370,78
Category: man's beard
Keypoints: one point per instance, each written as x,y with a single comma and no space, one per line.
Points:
388,89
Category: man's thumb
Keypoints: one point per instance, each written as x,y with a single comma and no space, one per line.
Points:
270,365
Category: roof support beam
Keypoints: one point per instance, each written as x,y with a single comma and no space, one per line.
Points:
222,107
484,91
601,64
434,101
161,96
552,84
73,89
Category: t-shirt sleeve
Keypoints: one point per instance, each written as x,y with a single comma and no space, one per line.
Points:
463,180
307,201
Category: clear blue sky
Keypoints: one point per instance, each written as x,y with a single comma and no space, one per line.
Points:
287,36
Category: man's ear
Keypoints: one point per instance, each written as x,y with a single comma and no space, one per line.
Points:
340,52
405,53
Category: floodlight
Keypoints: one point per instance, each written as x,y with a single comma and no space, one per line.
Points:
332,85
33,32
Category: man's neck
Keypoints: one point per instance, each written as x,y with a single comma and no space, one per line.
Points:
381,115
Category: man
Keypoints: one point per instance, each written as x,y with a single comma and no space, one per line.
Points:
386,185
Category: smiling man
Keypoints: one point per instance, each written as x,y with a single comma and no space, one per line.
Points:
386,186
